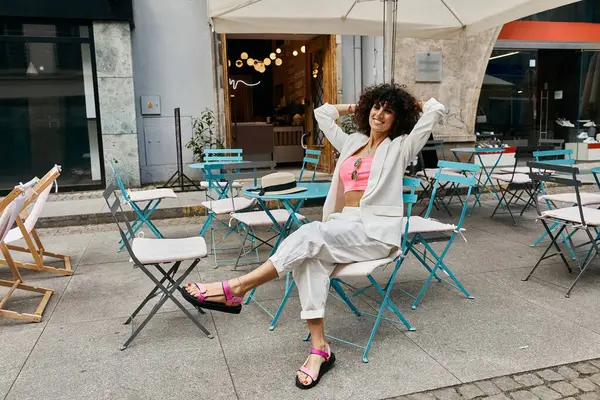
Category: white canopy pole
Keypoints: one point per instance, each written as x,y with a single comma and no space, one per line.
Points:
390,20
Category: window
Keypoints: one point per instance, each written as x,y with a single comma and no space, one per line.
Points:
48,104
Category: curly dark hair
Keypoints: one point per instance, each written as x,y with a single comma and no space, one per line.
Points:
394,96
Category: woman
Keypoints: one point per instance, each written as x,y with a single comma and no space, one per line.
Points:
362,213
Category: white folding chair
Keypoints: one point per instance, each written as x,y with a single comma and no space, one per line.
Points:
155,254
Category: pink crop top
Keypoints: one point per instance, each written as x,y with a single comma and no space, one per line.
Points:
362,176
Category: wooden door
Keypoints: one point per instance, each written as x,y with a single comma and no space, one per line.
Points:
222,61
321,88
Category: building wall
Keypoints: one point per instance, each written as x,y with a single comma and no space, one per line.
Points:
464,63
116,97
172,58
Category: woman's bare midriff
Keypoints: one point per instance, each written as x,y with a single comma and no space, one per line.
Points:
352,198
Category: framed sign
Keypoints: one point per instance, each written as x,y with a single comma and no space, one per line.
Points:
429,67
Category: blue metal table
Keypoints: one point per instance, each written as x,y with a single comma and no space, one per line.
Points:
292,203
482,184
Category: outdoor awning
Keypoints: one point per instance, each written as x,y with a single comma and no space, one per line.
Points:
416,18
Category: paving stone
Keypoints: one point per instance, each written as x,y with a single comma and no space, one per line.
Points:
595,378
584,384
528,380
470,391
568,373
523,395
595,363
446,394
545,393
488,387
500,396
421,396
586,368
550,376
590,396
506,383
565,388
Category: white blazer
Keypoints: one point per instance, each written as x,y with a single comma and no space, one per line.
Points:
381,207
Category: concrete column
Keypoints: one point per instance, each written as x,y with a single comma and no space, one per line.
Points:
112,42
464,63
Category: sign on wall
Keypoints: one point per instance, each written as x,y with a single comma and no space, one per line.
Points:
429,67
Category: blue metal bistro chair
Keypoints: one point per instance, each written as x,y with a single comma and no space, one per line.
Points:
554,157
223,156
426,230
366,269
310,157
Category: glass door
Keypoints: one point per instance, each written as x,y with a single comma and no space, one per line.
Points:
509,100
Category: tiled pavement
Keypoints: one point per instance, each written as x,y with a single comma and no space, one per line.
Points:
574,381
511,328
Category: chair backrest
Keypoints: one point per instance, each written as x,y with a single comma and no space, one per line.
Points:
467,175
222,155
37,208
428,155
519,154
409,198
118,180
123,224
310,157
554,157
560,174
11,213
596,173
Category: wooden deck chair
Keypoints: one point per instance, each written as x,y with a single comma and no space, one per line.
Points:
38,195
9,208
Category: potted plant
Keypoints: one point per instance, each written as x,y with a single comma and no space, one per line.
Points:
348,126
204,134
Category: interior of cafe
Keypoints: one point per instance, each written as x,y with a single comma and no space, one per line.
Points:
273,86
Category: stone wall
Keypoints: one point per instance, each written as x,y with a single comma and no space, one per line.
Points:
464,62
112,42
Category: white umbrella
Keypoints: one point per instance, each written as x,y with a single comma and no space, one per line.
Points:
439,19
415,18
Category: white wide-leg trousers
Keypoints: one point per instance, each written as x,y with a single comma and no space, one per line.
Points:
314,250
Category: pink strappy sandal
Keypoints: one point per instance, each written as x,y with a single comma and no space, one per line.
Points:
232,305
326,366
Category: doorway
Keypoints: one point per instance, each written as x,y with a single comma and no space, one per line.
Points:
272,83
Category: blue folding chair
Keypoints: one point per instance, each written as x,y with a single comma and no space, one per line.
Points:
366,268
310,157
223,156
143,203
426,230
226,156
555,157
220,178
